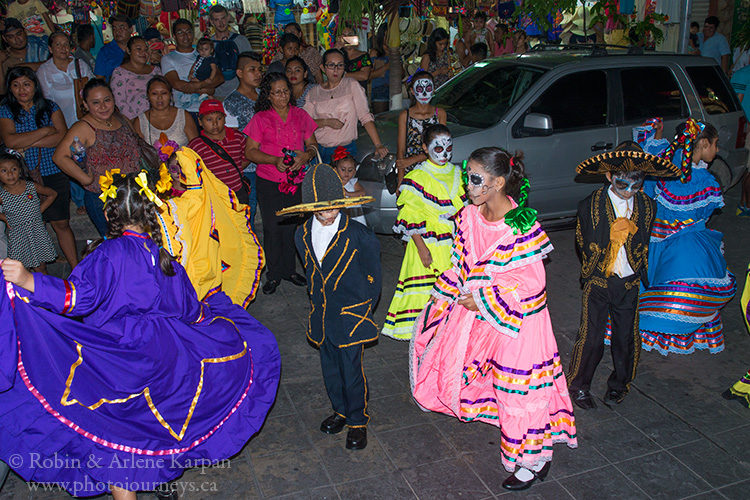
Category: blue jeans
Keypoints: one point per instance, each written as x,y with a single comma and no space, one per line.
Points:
95,209
76,193
326,153
253,202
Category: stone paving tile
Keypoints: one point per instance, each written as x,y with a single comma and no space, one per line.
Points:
711,463
662,426
470,437
737,441
738,491
234,479
322,493
602,484
394,412
382,382
709,495
570,461
662,476
618,440
351,465
416,445
547,490
287,472
449,479
279,434
381,487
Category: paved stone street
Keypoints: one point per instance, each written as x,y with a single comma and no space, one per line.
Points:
673,436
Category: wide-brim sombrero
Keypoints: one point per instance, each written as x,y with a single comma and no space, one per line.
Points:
628,156
322,190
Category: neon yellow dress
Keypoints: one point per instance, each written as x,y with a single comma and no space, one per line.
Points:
208,230
429,196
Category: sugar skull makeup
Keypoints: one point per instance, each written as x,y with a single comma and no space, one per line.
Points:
440,149
626,188
423,88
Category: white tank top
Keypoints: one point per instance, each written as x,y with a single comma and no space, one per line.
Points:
175,133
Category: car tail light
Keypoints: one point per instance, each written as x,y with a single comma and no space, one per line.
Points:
741,132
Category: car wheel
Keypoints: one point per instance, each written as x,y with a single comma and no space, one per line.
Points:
722,172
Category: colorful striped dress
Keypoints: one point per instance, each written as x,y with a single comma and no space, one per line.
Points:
499,365
688,277
429,196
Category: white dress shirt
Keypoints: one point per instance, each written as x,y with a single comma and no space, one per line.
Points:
623,208
322,236
57,86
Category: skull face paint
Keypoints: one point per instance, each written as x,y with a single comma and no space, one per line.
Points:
440,149
423,89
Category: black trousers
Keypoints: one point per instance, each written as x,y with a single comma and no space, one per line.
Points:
345,381
278,232
615,299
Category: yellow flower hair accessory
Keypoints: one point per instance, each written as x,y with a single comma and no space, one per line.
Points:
105,181
164,183
142,181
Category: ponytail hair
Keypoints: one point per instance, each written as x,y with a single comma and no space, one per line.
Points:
130,207
500,163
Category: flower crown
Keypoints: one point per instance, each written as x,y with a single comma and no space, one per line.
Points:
165,147
162,185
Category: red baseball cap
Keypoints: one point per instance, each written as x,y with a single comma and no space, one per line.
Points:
211,106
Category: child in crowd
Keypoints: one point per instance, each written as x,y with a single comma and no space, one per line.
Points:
205,67
138,336
688,278
342,264
346,166
430,195
483,347
612,235
289,46
28,239
208,231
222,148
478,52
413,121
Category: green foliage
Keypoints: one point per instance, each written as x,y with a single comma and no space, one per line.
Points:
537,10
741,36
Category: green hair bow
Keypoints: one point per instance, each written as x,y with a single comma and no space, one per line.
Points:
522,218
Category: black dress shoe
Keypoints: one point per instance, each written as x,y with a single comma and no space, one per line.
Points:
515,484
583,399
166,491
297,279
333,424
614,396
356,438
271,286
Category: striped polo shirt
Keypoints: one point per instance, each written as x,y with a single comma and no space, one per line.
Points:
234,144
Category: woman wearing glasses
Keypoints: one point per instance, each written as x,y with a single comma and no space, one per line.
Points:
336,106
281,141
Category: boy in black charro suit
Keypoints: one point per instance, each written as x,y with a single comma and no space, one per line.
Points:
342,264
612,235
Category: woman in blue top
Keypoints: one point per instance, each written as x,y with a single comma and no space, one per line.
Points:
33,125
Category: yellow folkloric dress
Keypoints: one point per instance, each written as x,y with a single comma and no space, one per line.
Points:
430,196
208,230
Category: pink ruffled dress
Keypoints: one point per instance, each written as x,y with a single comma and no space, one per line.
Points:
498,365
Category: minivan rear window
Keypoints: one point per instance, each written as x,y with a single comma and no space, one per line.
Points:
480,96
714,92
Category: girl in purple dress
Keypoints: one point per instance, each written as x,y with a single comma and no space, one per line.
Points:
147,382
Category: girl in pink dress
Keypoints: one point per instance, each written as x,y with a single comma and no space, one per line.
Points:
483,348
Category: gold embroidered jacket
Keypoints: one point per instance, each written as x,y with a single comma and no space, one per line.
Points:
344,289
595,217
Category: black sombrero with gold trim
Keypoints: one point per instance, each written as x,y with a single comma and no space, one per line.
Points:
322,190
628,156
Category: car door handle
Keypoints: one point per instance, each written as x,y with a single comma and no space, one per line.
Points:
601,146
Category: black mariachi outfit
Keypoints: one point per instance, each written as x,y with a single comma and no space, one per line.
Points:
612,298
343,292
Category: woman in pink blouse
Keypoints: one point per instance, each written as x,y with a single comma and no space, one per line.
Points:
281,141
336,106
129,80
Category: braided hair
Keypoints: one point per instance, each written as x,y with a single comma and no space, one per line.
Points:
131,208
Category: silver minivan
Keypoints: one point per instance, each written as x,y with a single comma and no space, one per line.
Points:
561,107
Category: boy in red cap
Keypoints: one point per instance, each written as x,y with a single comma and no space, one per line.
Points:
223,149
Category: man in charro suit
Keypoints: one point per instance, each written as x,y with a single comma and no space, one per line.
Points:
612,236
342,264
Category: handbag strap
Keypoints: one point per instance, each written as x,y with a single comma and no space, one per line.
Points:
223,154
78,68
